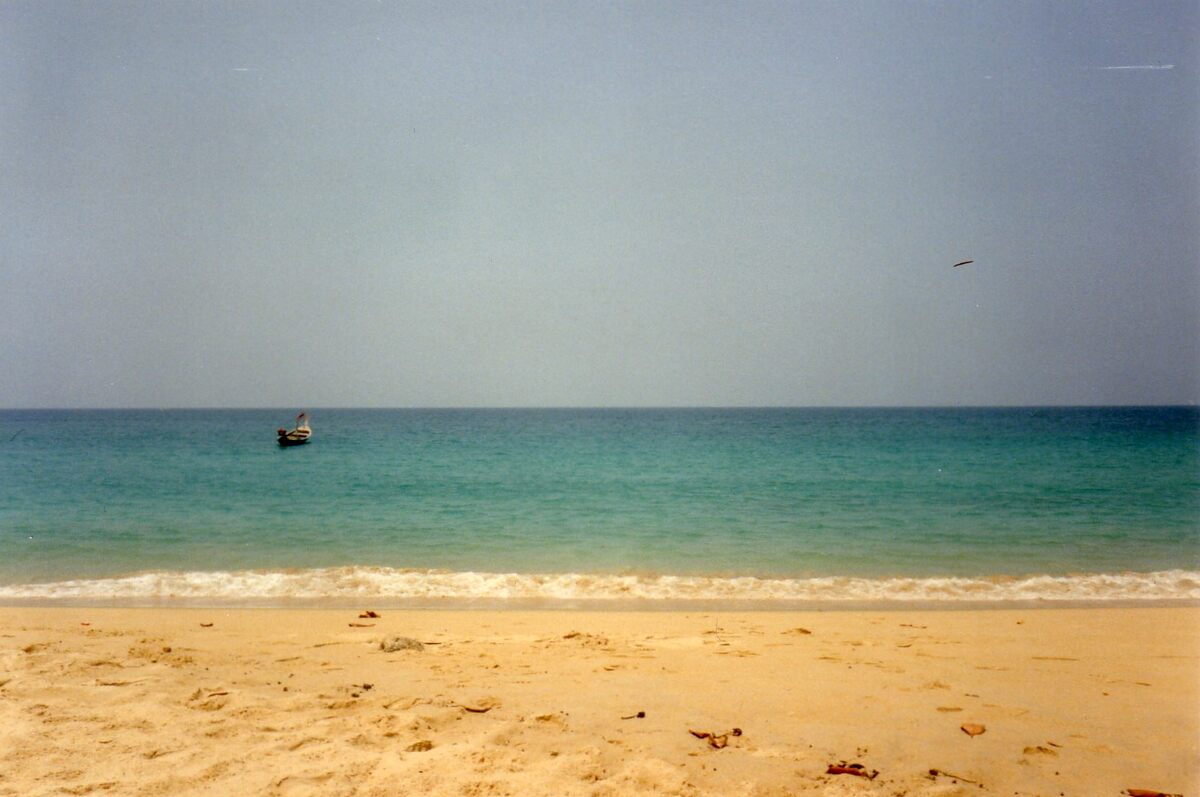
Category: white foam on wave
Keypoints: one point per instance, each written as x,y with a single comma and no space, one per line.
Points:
343,583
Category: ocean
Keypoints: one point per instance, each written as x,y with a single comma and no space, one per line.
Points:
578,507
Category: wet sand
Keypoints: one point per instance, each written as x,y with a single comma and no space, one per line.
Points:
190,701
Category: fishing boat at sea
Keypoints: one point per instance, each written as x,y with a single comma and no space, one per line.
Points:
297,436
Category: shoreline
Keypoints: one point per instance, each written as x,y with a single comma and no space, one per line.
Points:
411,588
516,702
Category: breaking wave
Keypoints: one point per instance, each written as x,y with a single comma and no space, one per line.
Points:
430,586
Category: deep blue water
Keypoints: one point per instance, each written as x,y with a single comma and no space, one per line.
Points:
777,493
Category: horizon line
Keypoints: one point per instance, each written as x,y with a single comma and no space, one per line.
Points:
576,407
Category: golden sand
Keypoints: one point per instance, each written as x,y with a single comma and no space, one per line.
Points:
274,702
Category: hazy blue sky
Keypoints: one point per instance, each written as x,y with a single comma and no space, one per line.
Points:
395,204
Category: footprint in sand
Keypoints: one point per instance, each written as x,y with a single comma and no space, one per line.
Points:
558,719
302,784
434,721
480,705
588,640
405,703
1039,750
208,699
339,705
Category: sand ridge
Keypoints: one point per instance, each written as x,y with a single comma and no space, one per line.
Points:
277,702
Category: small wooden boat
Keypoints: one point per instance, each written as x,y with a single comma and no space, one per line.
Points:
297,436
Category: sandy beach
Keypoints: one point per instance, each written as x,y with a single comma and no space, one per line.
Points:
192,701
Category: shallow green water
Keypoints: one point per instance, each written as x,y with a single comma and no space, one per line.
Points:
776,494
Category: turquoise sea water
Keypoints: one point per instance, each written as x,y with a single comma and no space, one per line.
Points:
821,504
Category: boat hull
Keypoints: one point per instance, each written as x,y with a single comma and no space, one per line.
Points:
299,434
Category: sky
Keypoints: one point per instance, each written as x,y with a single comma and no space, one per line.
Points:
283,204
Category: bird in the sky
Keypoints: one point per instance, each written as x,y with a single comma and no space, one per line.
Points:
963,263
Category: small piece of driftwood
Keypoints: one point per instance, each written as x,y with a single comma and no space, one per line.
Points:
842,768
